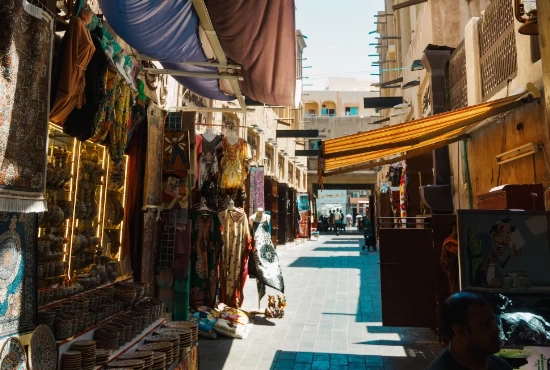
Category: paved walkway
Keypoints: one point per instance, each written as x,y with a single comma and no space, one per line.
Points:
332,320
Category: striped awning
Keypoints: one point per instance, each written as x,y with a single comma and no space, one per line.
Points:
395,143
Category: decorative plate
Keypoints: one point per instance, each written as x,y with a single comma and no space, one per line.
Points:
43,349
13,356
157,346
126,363
138,355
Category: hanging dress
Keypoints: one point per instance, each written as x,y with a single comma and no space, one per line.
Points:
207,174
205,254
266,262
234,164
234,258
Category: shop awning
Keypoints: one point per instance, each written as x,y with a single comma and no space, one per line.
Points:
394,143
257,35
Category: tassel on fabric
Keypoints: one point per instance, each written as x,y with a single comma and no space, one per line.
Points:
23,205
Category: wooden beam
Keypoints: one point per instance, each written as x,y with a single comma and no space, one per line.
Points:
306,153
296,133
175,72
406,4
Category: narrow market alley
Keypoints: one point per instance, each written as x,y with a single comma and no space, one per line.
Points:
332,319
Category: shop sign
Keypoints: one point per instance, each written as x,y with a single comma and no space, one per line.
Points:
332,197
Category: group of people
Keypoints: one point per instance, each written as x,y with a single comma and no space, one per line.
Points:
336,221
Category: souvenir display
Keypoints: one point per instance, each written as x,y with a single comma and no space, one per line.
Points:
43,349
25,59
13,355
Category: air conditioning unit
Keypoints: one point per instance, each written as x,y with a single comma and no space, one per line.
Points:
355,194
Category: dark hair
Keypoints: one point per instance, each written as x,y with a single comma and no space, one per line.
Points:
494,228
455,310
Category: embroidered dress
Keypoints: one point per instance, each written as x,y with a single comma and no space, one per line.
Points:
234,162
234,259
266,261
207,156
205,254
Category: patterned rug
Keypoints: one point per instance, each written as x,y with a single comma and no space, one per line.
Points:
153,163
18,233
25,64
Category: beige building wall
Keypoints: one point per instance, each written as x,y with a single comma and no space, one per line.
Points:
448,23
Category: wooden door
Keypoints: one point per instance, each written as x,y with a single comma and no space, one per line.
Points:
281,233
408,277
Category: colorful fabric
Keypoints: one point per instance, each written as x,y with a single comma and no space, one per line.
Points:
256,176
234,164
25,63
266,261
207,159
403,192
205,255
234,258
176,153
118,133
153,163
78,53
104,117
17,272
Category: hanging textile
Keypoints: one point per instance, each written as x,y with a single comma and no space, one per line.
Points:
80,122
207,173
153,161
403,193
104,117
150,249
205,254
78,53
234,259
25,63
234,164
266,262
207,153
134,222
118,133
257,195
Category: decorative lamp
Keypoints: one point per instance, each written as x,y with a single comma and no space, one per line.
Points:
526,13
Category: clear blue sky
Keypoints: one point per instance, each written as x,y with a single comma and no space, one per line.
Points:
337,38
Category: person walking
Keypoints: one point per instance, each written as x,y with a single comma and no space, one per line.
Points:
337,221
331,221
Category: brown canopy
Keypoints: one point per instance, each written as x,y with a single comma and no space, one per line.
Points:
260,36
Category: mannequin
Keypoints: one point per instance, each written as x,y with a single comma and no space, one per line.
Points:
209,135
231,205
232,137
259,216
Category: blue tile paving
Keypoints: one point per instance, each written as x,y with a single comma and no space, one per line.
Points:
333,318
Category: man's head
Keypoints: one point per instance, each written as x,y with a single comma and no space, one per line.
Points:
501,235
469,323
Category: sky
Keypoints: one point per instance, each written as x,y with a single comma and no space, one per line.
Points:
337,39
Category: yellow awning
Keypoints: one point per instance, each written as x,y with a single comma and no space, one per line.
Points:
394,143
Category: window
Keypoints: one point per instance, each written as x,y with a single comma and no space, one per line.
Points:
314,144
352,111
311,111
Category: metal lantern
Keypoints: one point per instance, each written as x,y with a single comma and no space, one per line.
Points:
526,13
